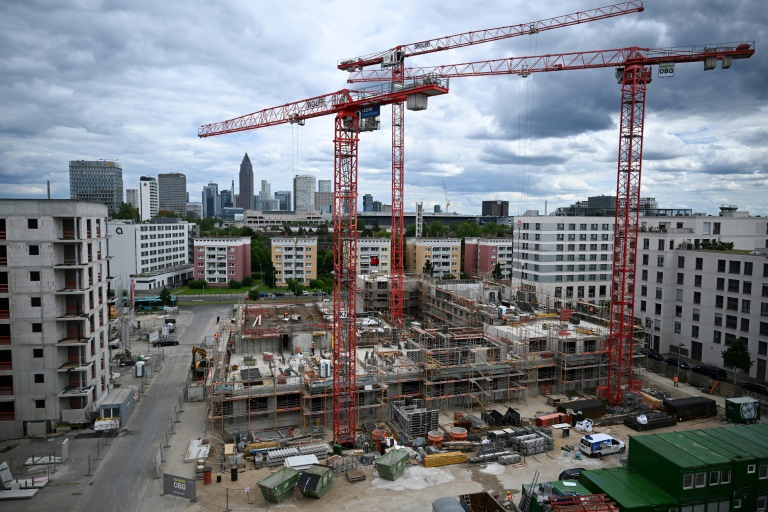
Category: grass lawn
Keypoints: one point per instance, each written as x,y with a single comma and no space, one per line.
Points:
223,290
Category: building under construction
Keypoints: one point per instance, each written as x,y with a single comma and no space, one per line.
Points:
472,347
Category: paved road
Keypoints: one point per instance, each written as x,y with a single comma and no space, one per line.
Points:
124,480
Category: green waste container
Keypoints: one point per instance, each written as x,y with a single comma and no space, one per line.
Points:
279,485
391,465
315,481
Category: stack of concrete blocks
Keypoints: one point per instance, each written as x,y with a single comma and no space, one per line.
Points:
277,457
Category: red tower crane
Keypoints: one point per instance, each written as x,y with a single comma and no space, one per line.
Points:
352,109
394,60
634,75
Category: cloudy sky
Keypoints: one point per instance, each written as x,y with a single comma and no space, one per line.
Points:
133,81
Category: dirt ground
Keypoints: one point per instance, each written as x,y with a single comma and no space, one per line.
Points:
420,486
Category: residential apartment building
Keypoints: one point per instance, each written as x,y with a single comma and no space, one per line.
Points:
54,360
304,192
246,184
219,260
481,255
568,258
294,258
693,297
495,209
373,256
444,255
153,254
132,197
149,203
172,192
99,181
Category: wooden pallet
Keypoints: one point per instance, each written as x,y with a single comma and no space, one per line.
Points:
355,475
444,459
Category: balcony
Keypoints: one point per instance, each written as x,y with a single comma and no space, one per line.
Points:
70,391
75,366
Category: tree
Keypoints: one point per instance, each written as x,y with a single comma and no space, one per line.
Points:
467,229
410,230
165,296
234,284
737,355
253,295
428,269
126,211
496,271
198,284
383,233
248,281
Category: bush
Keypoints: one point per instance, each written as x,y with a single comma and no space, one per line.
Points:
235,284
253,295
247,281
197,285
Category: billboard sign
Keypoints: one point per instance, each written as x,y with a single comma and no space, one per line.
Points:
371,111
179,486
667,70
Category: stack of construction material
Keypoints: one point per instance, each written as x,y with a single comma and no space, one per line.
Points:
512,458
444,459
649,421
532,440
341,464
277,457
318,450
476,422
685,409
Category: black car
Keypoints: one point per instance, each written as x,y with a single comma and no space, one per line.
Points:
165,342
755,387
651,353
673,361
570,474
710,371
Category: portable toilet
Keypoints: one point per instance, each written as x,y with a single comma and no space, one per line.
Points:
391,465
138,369
279,485
315,481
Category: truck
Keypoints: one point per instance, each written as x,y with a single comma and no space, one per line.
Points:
171,323
597,445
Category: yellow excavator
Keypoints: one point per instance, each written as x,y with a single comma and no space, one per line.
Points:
199,365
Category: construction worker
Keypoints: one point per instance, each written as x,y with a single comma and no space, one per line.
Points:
313,348
675,380
217,320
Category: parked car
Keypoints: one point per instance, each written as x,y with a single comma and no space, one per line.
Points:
673,361
165,342
755,387
710,371
570,474
574,320
651,353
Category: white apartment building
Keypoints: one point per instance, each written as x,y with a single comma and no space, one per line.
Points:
54,320
152,254
294,258
373,256
149,199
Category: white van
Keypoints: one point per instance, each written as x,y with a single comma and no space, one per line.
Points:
597,445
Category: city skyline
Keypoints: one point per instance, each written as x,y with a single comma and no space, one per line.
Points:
552,137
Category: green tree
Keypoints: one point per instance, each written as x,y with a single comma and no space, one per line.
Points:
234,284
467,230
165,296
198,284
325,262
737,355
322,229
248,281
253,294
496,271
428,269
436,228
127,212
410,230
383,233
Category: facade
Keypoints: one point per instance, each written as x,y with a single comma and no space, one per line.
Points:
294,258
153,254
246,184
304,192
694,299
444,255
570,258
172,190
132,197
219,260
257,219
226,198
605,206
54,360
367,203
284,199
149,203
373,256
195,210
211,201
324,202
495,209
99,181
481,255
325,186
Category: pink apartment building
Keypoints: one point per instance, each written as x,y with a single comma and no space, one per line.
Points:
218,260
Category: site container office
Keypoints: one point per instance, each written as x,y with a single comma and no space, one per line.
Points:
668,466
706,486
754,438
630,490
742,454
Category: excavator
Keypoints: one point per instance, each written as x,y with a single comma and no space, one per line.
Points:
199,366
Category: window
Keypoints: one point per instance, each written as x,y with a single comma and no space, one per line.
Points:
35,302
721,265
734,267
658,293
37,353
699,263
716,337
696,314
660,261
694,331
659,277
719,301
34,275
642,305
40,404
762,503
34,250
763,471
718,319
745,325
697,281
697,297
732,304
678,311
745,306
733,285
646,244
725,476
645,259
680,278
32,223
688,481
681,262
644,292
661,245
747,268
746,287
657,309
644,276
721,283
39,378
701,479
751,469
37,327
764,309
678,328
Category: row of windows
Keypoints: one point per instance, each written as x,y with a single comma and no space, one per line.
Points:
164,228
571,227
569,278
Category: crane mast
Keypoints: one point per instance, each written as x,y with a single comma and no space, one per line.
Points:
394,61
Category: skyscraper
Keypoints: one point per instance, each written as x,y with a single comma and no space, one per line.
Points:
246,184
226,198
148,201
132,197
496,208
99,181
304,192
367,203
172,190
284,198
211,200
324,186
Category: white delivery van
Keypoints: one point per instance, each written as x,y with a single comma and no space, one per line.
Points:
597,445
